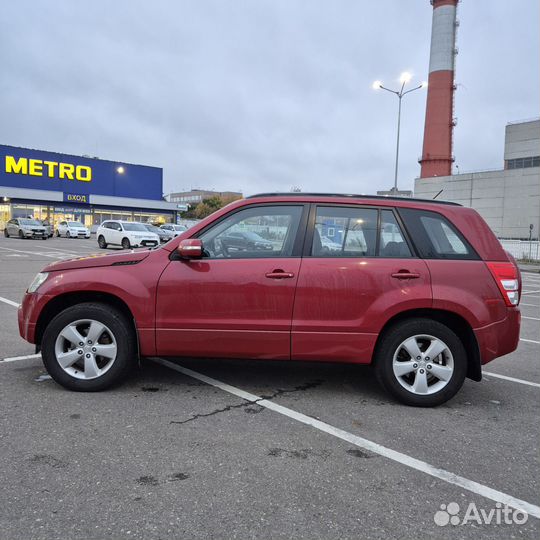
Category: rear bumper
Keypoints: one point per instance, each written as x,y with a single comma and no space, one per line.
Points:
499,338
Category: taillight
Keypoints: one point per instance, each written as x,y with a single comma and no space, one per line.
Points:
506,275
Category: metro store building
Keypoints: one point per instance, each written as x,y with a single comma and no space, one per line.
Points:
58,187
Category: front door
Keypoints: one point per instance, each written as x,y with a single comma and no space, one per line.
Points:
357,272
234,302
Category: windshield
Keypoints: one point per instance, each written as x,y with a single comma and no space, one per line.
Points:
134,227
153,229
179,228
75,224
30,222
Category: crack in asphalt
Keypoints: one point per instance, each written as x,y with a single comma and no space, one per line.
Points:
246,403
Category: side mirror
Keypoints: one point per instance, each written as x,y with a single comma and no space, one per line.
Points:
190,248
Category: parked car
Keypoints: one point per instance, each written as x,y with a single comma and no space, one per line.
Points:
128,234
72,229
246,240
426,305
25,228
173,230
163,236
48,227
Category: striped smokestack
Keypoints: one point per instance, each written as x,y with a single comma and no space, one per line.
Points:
437,150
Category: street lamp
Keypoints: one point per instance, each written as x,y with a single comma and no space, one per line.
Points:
403,79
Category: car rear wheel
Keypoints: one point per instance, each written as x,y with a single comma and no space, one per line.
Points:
125,243
89,347
421,362
101,242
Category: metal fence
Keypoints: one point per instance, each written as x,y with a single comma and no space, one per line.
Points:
522,249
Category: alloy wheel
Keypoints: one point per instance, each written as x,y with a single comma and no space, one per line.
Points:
85,349
423,364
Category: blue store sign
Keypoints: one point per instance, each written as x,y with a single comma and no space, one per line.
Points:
77,176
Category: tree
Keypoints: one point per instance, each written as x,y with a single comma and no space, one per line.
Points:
208,206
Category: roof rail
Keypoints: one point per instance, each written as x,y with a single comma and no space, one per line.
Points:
351,196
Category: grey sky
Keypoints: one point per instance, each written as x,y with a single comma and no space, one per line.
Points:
258,95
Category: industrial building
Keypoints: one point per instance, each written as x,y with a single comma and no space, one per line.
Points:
195,196
60,187
507,198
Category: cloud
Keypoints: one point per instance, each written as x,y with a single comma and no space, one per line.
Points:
258,95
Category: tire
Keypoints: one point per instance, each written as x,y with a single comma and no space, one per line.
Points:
44,238
412,379
68,235
113,334
21,235
57,233
125,243
101,242
6,234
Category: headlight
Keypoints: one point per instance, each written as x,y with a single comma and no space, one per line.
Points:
38,281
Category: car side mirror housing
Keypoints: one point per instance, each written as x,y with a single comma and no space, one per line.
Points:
190,248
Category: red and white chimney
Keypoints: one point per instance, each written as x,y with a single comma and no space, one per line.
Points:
437,150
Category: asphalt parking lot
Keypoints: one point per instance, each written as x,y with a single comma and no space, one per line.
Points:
239,449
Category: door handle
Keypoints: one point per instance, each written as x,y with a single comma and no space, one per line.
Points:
405,274
279,274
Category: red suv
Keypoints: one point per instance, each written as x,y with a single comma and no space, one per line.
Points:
422,290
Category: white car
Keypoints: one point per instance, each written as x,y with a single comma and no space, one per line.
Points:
128,234
72,229
173,230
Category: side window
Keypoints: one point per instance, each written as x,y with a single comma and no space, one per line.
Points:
391,240
435,237
344,232
265,231
118,226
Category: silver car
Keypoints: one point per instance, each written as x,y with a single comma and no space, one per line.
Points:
172,230
25,228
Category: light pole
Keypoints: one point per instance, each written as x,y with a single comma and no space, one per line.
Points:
404,79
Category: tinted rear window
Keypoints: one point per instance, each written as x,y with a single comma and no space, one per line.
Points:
435,237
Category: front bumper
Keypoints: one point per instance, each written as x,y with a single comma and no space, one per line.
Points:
145,243
34,234
28,313
499,338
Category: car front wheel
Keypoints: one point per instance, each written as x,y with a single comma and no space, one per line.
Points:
89,347
421,362
101,242
126,243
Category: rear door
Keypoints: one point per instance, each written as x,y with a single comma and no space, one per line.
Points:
358,270
234,302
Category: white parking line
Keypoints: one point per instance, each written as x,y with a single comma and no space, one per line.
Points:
530,318
62,250
31,252
512,379
530,305
17,358
529,341
399,457
10,302
530,292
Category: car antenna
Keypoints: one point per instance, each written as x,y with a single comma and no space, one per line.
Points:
438,194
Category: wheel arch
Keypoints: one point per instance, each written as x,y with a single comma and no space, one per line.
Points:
456,323
63,301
